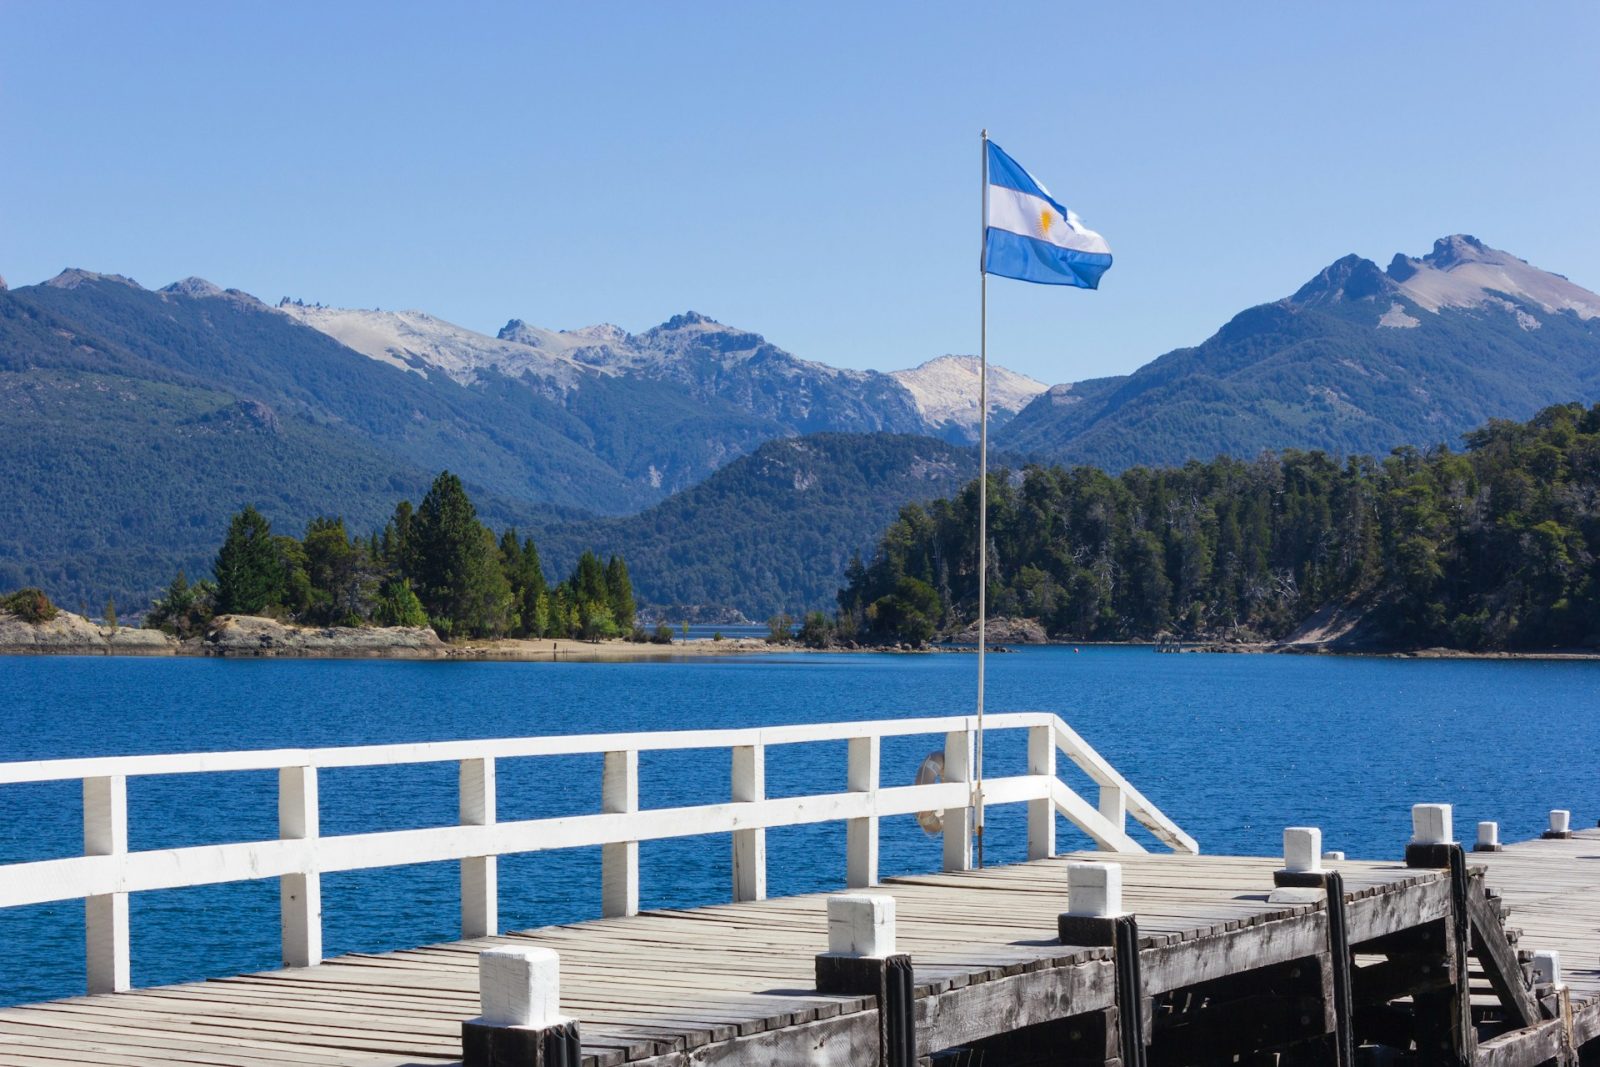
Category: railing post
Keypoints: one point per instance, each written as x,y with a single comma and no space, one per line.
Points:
861,865
1042,811
619,861
480,875
300,894
105,917
1114,806
958,821
749,846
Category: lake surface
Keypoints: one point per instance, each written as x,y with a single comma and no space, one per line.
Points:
1233,748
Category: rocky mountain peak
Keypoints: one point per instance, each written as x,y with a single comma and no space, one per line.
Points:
1349,278
192,286
603,333
1463,272
73,277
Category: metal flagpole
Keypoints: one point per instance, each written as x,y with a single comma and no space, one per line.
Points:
983,488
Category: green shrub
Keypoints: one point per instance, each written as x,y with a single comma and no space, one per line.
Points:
29,605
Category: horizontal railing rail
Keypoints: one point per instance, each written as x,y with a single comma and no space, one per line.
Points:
108,871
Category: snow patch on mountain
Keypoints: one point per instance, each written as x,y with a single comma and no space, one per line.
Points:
1463,272
421,343
946,390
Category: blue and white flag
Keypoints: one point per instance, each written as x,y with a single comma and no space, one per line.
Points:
1027,235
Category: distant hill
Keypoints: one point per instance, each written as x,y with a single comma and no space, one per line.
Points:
1360,359
773,530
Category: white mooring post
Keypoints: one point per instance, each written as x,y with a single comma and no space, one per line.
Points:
861,924
958,820
519,987
1094,890
1333,856
300,894
861,835
519,993
1431,824
1560,824
749,846
619,861
105,917
480,875
1042,810
1302,849
1488,838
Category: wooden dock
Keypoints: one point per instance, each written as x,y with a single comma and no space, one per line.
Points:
1115,957
1224,972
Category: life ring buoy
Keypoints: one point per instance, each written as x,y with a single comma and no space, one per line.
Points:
931,773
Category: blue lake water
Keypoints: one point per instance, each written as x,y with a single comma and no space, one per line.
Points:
1233,748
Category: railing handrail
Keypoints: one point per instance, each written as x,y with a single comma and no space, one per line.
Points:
396,754
108,871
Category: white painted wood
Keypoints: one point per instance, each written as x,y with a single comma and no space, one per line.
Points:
480,875
105,915
861,924
519,987
1302,849
1042,812
1094,889
1431,824
1095,766
1488,835
958,817
504,748
1080,814
861,844
1560,821
300,892
107,872
750,845
1113,804
619,860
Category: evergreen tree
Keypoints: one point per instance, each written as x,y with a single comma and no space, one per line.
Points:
455,563
111,613
619,590
248,567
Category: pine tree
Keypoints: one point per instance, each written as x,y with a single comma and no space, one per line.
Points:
111,613
248,568
455,562
619,588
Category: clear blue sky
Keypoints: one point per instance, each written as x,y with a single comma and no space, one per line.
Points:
806,171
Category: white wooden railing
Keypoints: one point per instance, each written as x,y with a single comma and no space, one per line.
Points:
107,871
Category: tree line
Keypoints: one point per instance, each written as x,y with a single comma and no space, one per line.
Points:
433,565
1488,548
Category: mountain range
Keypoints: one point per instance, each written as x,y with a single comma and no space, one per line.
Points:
135,421
1359,359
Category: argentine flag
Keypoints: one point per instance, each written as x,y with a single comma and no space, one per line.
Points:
1027,235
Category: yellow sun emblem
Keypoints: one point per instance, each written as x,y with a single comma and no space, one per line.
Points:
1047,219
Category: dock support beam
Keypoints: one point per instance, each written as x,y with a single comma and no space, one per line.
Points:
1444,1030
105,917
861,961
861,845
619,861
1094,918
299,894
480,875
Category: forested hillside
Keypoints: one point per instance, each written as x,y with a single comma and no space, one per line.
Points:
1490,548
772,531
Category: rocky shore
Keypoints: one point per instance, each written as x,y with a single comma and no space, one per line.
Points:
250,636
